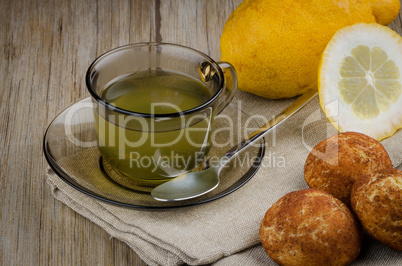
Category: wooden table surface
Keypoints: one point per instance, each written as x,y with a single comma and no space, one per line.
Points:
46,48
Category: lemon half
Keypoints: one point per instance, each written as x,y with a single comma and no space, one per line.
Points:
360,77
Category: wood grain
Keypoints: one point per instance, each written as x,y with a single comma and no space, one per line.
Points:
46,48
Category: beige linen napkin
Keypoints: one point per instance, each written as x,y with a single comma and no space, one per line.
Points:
225,231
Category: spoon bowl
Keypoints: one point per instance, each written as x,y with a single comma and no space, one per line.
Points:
188,185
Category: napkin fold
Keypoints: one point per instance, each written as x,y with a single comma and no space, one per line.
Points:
225,231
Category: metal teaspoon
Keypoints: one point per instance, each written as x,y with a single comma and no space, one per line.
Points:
195,184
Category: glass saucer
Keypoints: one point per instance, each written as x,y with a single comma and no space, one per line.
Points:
70,149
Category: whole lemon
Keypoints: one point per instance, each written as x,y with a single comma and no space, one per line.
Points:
275,46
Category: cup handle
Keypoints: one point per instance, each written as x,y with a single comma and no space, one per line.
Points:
229,86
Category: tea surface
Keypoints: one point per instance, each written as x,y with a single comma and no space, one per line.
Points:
156,93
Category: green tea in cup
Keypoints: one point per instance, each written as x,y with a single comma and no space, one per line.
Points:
155,109
167,152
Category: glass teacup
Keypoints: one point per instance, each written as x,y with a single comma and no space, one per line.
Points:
155,106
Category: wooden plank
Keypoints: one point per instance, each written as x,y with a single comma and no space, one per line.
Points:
197,24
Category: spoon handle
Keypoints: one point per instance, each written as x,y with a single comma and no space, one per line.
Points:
259,133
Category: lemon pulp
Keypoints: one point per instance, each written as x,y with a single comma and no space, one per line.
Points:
369,81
